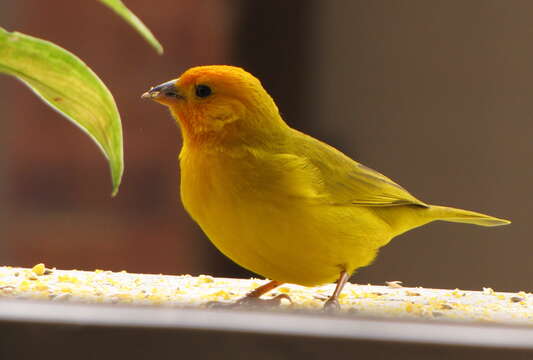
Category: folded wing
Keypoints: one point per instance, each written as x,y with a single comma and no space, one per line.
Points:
344,181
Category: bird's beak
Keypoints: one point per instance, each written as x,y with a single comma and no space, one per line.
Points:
165,91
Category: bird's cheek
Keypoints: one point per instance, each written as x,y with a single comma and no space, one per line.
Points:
209,123
223,119
220,116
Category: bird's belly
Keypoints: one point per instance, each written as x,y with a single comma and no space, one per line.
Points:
285,239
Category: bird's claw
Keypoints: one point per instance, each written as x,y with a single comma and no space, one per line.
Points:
250,302
258,302
332,306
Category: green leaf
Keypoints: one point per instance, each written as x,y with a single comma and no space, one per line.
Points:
69,86
125,13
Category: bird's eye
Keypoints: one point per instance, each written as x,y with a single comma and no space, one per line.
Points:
203,91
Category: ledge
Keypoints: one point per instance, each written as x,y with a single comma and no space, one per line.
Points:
392,301
384,319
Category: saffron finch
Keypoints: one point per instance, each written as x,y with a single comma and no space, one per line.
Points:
274,200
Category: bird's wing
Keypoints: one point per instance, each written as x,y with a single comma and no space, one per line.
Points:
361,185
343,181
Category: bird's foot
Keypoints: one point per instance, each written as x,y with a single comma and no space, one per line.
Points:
332,306
250,302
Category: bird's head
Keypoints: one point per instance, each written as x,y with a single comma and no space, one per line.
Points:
218,102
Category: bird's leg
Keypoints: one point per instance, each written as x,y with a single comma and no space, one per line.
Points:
332,304
253,299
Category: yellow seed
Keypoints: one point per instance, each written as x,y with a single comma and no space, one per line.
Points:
39,269
40,287
24,285
67,278
220,293
457,294
205,279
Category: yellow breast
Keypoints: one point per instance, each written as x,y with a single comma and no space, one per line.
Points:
262,228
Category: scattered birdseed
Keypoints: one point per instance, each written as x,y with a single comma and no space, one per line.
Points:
488,291
392,300
39,269
394,284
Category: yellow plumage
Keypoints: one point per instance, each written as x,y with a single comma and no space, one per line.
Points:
274,200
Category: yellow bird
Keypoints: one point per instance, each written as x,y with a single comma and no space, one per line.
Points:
274,200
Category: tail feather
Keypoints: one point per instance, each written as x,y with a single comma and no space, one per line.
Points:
464,216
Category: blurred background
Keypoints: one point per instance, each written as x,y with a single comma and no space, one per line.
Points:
436,95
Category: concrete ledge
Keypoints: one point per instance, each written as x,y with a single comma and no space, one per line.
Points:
88,331
392,301
102,314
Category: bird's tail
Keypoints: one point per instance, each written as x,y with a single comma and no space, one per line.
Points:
464,216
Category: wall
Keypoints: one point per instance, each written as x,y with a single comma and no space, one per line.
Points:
437,96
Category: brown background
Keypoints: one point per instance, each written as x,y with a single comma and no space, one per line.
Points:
435,94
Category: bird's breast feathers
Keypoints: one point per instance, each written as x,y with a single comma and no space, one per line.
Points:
257,211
